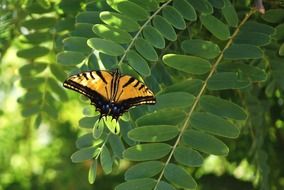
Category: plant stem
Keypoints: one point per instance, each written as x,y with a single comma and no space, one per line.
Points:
202,90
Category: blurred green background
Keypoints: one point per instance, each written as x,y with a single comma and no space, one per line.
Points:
35,150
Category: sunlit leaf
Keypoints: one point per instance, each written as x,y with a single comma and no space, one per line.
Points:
119,21
112,33
130,9
106,46
186,63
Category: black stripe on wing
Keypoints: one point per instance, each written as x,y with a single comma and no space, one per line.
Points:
94,96
137,101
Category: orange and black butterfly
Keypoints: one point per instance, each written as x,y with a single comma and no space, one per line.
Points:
110,92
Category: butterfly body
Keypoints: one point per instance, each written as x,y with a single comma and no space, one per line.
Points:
110,92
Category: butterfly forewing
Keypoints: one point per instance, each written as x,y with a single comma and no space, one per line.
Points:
90,83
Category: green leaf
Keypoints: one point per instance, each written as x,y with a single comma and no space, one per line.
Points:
39,23
174,99
98,129
112,125
162,117
281,50
149,5
137,184
116,145
33,52
87,140
280,32
58,72
274,16
83,30
32,69
91,17
54,86
92,172
205,143
164,28
201,48
213,124
185,9
76,44
153,36
138,63
215,26
112,33
31,82
219,4
69,58
174,17
106,160
230,14
130,9
88,122
30,110
252,72
38,37
191,86
179,176
227,80
119,21
188,157
253,38
84,154
164,186
106,46
243,51
252,26
153,133
143,170
202,6
186,63
146,49
222,107
32,96
143,152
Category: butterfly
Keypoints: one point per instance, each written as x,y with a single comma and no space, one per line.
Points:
110,92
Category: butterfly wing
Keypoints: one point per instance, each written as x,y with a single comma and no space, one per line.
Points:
131,92
93,84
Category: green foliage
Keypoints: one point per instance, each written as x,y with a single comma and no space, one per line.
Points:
215,67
